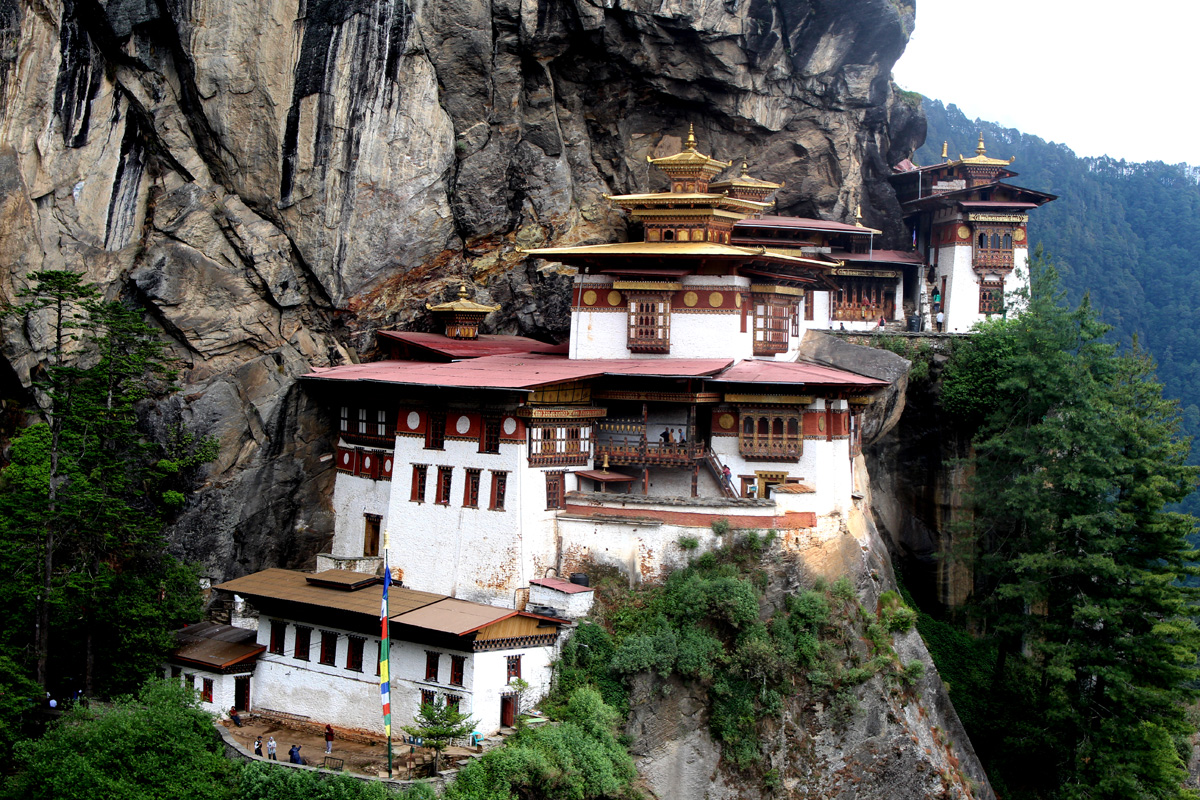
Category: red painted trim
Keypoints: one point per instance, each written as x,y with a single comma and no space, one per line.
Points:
690,519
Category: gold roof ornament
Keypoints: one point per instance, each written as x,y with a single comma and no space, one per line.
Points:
462,304
858,215
945,151
690,163
980,159
745,184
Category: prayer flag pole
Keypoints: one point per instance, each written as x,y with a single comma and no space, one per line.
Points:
384,683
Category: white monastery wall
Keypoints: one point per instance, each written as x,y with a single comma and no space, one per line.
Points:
571,605
961,298
354,496
224,688
643,549
492,669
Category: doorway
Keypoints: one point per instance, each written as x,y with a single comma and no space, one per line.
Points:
508,710
241,692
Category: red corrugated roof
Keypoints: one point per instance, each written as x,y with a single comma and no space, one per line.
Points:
801,222
485,345
794,372
518,372
882,256
996,204
558,584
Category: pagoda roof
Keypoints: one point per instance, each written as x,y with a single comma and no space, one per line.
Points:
685,251
968,195
879,257
462,304
689,199
746,181
484,345
689,160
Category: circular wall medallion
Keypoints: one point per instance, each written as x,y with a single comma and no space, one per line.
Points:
821,424
964,232
366,462
725,421
690,299
716,299
463,425
414,419
1019,235
589,298
737,300
387,465
510,426
614,298
345,459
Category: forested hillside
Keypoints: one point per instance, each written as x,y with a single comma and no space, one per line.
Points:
1129,234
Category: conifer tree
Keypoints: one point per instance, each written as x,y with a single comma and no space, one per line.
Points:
1082,568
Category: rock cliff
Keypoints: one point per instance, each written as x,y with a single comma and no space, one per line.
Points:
272,180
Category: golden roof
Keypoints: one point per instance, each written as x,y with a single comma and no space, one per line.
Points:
682,198
745,180
980,159
627,249
462,304
689,160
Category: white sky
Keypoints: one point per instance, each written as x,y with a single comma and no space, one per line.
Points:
1102,77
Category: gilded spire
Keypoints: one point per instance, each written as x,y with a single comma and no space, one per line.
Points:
945,151
690,144
858,215
745,169
980,150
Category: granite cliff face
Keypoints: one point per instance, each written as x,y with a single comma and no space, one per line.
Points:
274,179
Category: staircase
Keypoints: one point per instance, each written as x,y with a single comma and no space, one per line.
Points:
715,467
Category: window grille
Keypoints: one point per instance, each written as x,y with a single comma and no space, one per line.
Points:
457,664
419,480
514,667
770,435
435,432
445,477
471,492
278,633
991,297
499,484
328,647
303,643
489,442
772,323
559,444
555,496
432,660
354,654
650,323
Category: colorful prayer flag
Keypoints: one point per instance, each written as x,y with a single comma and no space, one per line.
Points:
384,685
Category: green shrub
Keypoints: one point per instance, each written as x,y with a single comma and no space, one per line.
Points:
721,526
688,543
843,589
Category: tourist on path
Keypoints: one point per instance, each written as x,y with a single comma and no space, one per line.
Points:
294,755
271,748
233,715
328,739
258,746
941,318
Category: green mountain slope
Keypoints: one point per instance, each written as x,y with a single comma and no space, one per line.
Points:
1127,233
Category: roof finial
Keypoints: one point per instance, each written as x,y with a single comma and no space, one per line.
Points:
858,215
745,169
462,291
945,151
690,144
980,150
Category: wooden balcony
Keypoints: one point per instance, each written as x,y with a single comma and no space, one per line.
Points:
998,259
772,451
649,454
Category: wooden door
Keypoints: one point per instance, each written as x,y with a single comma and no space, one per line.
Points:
508,710
241,692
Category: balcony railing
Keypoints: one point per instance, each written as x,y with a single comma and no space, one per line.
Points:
772,451
624,442
994,258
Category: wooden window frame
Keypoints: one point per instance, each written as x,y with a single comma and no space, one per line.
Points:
303,635
512,668
773,318
458,669
499,487
435,430
206,689
773,435
433,665
328,655
344,419
489,435
561,443
991,297
354,653
471,489
649,325
278,637
420,483
428,697
555,490
453,700
445,485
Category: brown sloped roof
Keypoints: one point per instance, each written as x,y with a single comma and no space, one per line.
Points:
285,584
216,646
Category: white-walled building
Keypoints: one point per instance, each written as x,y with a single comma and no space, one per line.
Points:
217,661
318,640
494,462
970,230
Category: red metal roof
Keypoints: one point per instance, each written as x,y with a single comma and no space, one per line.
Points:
485,345
801,222
516,372
996,204
558,584
793,373
882,256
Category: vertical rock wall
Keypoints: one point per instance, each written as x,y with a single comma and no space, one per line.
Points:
274,179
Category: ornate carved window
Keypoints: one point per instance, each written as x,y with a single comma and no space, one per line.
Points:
991,296
770,435
772,322
565,443
489,442
471,490
555,496
444,480
366,425
435,433
993,248
650,323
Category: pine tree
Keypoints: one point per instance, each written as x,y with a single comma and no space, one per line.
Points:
1081,571
437,724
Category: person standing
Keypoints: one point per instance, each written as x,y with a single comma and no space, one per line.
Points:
727,475
941,319
294,755
271,748
258,746
328,739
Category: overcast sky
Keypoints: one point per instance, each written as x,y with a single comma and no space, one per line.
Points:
1102,77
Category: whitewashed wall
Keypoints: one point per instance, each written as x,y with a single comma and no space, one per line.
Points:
492,668
571,605
354,496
